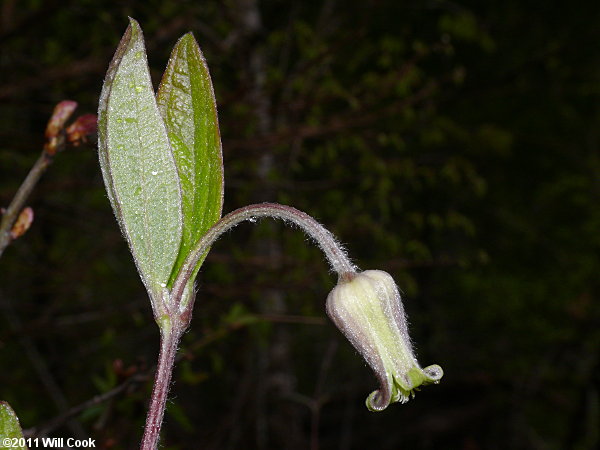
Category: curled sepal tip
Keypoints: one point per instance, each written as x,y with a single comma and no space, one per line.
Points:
368,309
402,390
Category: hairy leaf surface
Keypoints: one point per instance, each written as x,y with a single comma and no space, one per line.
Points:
137,163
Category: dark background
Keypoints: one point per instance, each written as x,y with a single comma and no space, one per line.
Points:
454,145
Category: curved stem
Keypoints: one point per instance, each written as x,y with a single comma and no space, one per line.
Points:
169,340
178,320
332,249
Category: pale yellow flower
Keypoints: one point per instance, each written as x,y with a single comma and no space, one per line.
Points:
367,308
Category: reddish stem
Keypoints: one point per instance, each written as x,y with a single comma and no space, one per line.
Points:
169,339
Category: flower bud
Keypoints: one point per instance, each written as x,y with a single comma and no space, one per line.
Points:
368,309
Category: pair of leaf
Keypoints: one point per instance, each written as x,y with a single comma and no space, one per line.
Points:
160,156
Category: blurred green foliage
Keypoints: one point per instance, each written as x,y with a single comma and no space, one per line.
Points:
454,145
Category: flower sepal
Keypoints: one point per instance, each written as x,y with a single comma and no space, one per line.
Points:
402,391
367,308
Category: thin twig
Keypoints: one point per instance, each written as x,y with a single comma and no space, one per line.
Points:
132,382
55,142
18,202
58,421
40,366
334,126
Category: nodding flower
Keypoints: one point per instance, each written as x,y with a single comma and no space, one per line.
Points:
367,308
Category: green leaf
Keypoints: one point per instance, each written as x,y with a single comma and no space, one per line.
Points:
9,426
187,103
137,164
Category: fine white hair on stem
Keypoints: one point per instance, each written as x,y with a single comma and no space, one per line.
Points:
333,250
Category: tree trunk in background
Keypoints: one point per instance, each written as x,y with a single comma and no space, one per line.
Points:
272,368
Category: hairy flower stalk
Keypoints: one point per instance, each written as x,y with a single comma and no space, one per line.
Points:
333,250
365,306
